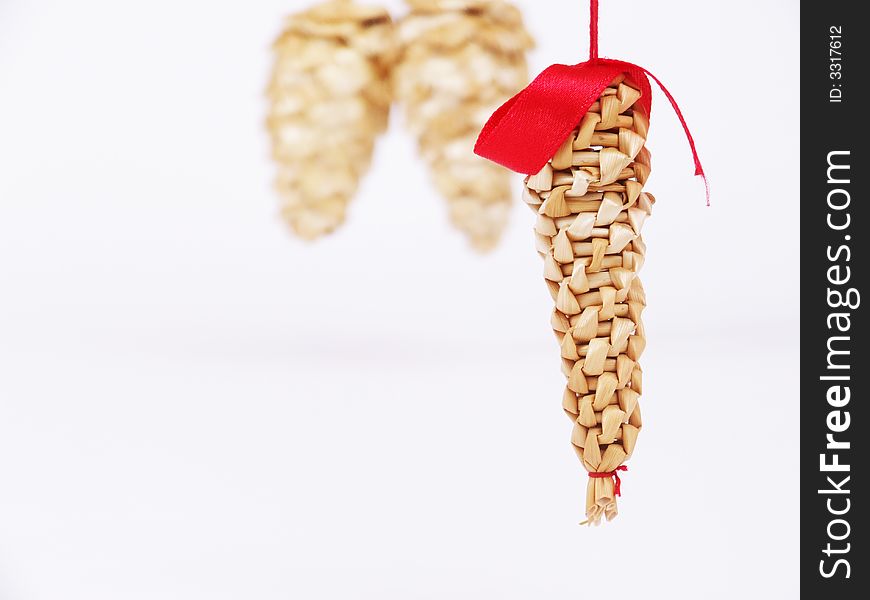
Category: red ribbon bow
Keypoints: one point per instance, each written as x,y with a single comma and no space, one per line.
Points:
617,482
525,132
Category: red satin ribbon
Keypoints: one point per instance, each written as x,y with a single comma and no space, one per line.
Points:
525,132
617,482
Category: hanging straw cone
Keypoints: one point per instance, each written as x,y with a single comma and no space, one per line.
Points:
458,60
579,133
329,99
590,207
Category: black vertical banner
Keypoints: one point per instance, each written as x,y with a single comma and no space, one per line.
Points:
835,222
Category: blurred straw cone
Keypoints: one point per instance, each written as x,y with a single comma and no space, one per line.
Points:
329,99
458,61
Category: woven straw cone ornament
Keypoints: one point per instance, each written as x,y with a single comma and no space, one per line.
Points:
590,210
458,60
329,99
579,132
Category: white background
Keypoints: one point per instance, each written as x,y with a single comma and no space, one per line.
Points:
194,405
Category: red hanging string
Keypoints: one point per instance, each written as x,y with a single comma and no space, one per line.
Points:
617,482
593,30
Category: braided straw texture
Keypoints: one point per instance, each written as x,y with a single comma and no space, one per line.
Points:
458,61
590,209
329,99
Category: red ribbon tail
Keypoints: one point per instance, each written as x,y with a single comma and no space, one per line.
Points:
699,169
